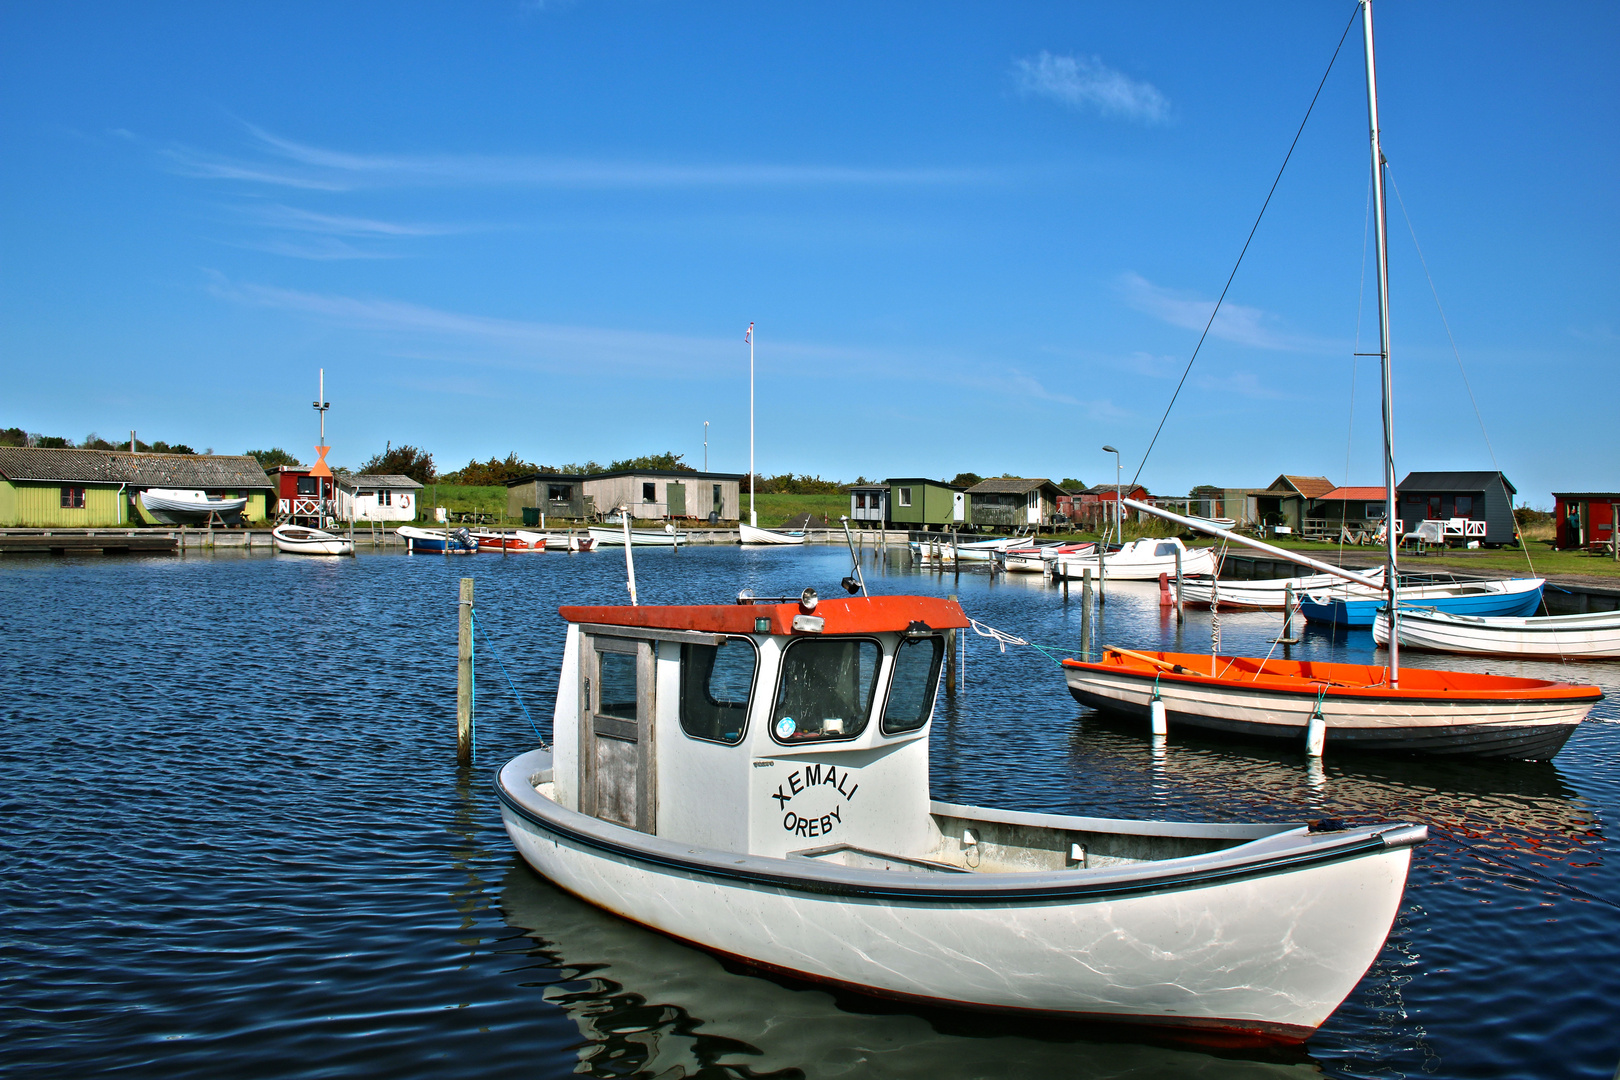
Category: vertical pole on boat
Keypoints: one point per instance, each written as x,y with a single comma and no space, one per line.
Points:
1392,541
1181,612
1288,621
753,518
629,558
1085,614
464,674
950,656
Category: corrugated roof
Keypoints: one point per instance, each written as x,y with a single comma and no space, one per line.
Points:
377,480
1355,494
1009,485
138,470
1452,481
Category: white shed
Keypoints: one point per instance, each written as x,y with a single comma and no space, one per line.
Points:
377,497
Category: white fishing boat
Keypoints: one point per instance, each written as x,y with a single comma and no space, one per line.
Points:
296,540
1140,560
1268,594
752,778
767,537
184,506
1040,558
569,541
1588,636
613,536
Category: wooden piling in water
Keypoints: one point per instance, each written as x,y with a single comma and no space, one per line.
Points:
1181,613
464,674
950,656
1085,614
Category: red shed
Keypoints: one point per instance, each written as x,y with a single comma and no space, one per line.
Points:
1585,518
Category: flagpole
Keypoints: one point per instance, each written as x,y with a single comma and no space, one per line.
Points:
753,518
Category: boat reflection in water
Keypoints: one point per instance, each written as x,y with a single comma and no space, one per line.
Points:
650,1006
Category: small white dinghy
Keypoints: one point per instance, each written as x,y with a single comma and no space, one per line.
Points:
766,537
1593,635
297,540
1266,594
752,778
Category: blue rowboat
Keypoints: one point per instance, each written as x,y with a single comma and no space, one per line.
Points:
430,542
1512,597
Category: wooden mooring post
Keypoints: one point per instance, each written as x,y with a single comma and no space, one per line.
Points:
464,674
950,657
1181,613
1086,614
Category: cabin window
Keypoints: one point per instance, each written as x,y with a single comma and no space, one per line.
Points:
648,494
1164,551
1434,507
309,485
558,492
905,496
1465,506
826,689
385,498
717,683
72,498
1373,511
616,685
911,688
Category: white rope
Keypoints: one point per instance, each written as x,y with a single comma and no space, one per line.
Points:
1002,637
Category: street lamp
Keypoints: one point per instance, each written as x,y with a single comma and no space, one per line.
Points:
1119,517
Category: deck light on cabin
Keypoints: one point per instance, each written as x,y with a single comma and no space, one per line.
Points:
808,600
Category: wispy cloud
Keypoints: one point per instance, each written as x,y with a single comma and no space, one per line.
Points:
1236,323
293,218
317,249
1085,82
284,162
1241,383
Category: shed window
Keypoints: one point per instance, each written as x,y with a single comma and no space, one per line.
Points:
648,493
308,485
717,683
1465,506
905,496
911,689
72,497
1373,510
826,689
1434,507
385,497
559,492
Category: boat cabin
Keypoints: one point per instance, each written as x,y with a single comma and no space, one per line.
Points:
760,728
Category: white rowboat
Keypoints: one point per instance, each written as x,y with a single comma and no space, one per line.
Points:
613,536
766,537
1587,636
296,540
1266,594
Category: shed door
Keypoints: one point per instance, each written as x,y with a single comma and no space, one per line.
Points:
616,763
675,495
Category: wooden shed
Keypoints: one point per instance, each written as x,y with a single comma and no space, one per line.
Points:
1356,511
1014,502
557,495
45,487
658,493
1585,518
1287,501
377,497
1478,496
920,503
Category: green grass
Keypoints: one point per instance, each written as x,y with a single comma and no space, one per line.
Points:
460,499
775,509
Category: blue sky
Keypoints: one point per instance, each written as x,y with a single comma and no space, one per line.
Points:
972,236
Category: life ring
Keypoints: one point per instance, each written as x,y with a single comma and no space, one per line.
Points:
404,500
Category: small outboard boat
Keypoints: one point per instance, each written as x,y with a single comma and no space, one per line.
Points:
297,540
438,542
752,778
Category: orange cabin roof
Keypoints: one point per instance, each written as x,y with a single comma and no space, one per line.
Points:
842,615
1355,494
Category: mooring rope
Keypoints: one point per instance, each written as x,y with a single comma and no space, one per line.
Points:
472,614
1005,639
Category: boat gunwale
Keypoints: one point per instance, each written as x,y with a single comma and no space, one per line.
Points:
1277,683
1001,888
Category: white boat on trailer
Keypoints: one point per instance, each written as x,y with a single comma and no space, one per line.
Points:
768,537
752,778
186,506
297,540
1591,635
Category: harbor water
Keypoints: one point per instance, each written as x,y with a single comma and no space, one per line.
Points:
237,842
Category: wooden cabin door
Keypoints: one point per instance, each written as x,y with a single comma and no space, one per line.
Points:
616,740
675,496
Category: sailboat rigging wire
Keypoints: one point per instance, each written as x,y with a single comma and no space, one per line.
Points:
1253,229
1455,352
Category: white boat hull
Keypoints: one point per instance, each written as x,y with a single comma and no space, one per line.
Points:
1136,562
1271,955
175,507
613,536
292,540
1267,594
1591,636
767,537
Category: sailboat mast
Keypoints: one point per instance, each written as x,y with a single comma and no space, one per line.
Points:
753,518
1392,537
